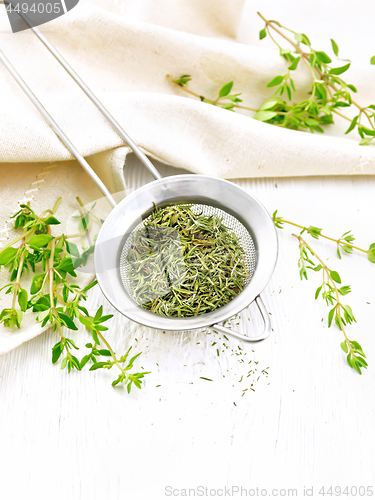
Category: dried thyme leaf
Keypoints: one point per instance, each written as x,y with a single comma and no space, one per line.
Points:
182,264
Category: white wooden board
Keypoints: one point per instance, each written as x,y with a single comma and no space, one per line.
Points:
309,424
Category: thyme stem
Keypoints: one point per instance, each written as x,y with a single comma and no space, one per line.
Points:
117,363
327,271
305,57
326,237
211,101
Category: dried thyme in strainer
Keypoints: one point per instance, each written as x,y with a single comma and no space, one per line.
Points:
183,264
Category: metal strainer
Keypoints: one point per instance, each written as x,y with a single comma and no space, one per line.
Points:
241,213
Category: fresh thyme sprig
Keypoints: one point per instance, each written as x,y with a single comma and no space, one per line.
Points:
224,100
329,93
340,313
53,293
344,243
330,292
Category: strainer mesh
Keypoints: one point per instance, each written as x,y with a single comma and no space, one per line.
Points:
232,223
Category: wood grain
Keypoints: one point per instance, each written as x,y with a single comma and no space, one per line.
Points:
310,423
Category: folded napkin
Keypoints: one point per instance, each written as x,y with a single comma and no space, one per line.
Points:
124,58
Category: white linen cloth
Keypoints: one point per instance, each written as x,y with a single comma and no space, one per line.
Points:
124,57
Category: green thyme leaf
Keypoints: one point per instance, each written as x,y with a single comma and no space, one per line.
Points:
84,222
57,350
317,268
294,64
335,48
278,221
22,299
315,232
339,71
352,124
300,37
318,290
72,248
366,140
68,322
225,90
91,285
322,57
330,316
270,103
7,255
335,276
371,253
275,81
51,221
183,80
36,284
40,240
264,115
344,347
100,364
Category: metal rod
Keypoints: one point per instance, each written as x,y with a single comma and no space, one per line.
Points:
121,132
58,130
266,329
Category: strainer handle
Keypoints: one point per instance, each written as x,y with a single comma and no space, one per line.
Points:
266,320
121,132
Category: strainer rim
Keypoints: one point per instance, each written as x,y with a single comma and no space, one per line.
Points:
161,189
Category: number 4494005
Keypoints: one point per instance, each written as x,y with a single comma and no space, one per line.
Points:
352,491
